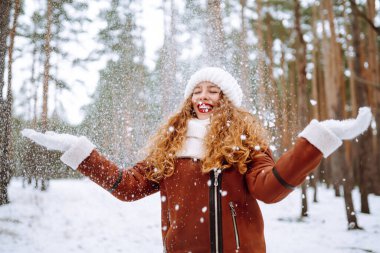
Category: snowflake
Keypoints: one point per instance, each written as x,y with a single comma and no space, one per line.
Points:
272,147
313,102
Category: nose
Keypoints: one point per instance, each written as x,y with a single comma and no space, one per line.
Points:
203,95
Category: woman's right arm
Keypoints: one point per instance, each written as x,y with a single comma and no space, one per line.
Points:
125,184
80,153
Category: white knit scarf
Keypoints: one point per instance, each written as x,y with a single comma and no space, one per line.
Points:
196,132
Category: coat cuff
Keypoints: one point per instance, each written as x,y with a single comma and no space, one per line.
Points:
78,152
321,137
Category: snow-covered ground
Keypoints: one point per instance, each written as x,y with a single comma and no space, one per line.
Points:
78,216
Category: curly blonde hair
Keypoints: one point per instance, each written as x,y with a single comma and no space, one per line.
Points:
234,138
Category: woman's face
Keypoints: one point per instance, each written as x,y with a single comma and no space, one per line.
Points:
206,96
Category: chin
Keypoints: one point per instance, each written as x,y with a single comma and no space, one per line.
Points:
204,116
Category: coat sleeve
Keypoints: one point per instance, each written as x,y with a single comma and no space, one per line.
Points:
271,181
125,184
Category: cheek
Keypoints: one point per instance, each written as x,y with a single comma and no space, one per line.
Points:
194,104
216,98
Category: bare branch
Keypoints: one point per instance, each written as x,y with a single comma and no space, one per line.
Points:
357,11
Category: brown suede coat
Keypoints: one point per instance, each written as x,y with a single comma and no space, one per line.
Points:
187,220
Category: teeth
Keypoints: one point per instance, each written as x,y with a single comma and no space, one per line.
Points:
203,106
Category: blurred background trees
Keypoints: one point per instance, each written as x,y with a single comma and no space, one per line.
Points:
296,60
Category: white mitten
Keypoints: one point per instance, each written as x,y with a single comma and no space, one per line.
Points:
51,140
350,128
75,149
327,135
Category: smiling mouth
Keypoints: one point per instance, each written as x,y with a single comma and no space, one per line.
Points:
204,107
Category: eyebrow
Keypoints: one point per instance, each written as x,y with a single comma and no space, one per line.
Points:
208,86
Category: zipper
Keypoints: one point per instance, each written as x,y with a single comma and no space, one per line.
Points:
167,229
216,175
215,212
233,214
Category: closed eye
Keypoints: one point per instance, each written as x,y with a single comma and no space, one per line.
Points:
214,90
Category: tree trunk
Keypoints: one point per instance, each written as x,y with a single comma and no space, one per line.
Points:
245,81
169,68
9,103
304,207
350,213
331,94
302,89
364,152
315,60
5,164
373,77
313,183
46,79
216,39
261,86
314,88
272,92
292,105
6,105
34,87
47,49
284,117
4,33
377,151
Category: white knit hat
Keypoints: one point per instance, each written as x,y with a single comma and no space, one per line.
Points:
224,80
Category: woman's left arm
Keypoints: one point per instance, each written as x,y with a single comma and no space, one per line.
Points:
271,181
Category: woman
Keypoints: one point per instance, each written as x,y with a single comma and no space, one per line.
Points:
211,163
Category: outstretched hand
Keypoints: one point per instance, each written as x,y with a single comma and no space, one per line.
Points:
350,128
51,140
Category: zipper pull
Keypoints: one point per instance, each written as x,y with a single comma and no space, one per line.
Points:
232,209
216,175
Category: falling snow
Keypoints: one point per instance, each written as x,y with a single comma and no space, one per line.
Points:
272,147
313,102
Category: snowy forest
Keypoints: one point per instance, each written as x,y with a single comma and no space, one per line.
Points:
295,60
